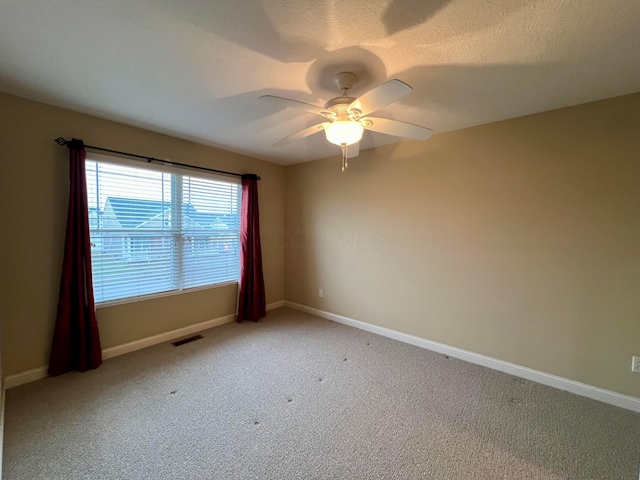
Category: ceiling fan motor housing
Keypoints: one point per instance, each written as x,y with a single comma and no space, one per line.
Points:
339,105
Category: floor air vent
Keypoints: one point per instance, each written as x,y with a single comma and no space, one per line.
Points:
186,340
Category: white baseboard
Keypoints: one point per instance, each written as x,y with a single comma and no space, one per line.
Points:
274,305
111,352
125,348
25,377
582,389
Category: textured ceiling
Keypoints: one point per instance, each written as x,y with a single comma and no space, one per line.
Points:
195,69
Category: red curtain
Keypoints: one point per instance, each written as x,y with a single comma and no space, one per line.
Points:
76,343
251,300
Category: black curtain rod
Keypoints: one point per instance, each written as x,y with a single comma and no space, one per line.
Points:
62,141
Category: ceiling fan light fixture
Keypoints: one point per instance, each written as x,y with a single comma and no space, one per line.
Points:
348,117
344,132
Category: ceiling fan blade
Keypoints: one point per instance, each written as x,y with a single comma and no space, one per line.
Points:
379,97
302,134
353,150
396,128
287,102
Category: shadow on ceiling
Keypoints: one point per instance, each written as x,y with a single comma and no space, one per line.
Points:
249,25
405,14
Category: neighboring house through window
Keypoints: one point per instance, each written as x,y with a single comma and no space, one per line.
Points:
160,231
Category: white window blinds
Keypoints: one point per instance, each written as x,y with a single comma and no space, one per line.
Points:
156,231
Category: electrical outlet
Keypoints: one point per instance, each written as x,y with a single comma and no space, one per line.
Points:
320,293
635,364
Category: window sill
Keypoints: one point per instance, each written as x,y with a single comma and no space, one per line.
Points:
142,298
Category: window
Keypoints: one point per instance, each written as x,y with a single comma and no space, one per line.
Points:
158,231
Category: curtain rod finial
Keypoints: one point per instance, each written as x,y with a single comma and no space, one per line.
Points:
60,141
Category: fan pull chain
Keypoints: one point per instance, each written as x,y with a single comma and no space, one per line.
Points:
345,161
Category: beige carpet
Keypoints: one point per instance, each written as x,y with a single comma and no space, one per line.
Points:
298,397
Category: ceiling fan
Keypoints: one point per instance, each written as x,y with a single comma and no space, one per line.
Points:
347,117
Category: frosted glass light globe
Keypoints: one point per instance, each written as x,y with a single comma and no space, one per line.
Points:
344,132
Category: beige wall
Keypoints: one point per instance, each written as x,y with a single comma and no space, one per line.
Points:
33,203
519,240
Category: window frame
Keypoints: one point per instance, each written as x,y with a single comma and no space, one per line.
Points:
124,161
